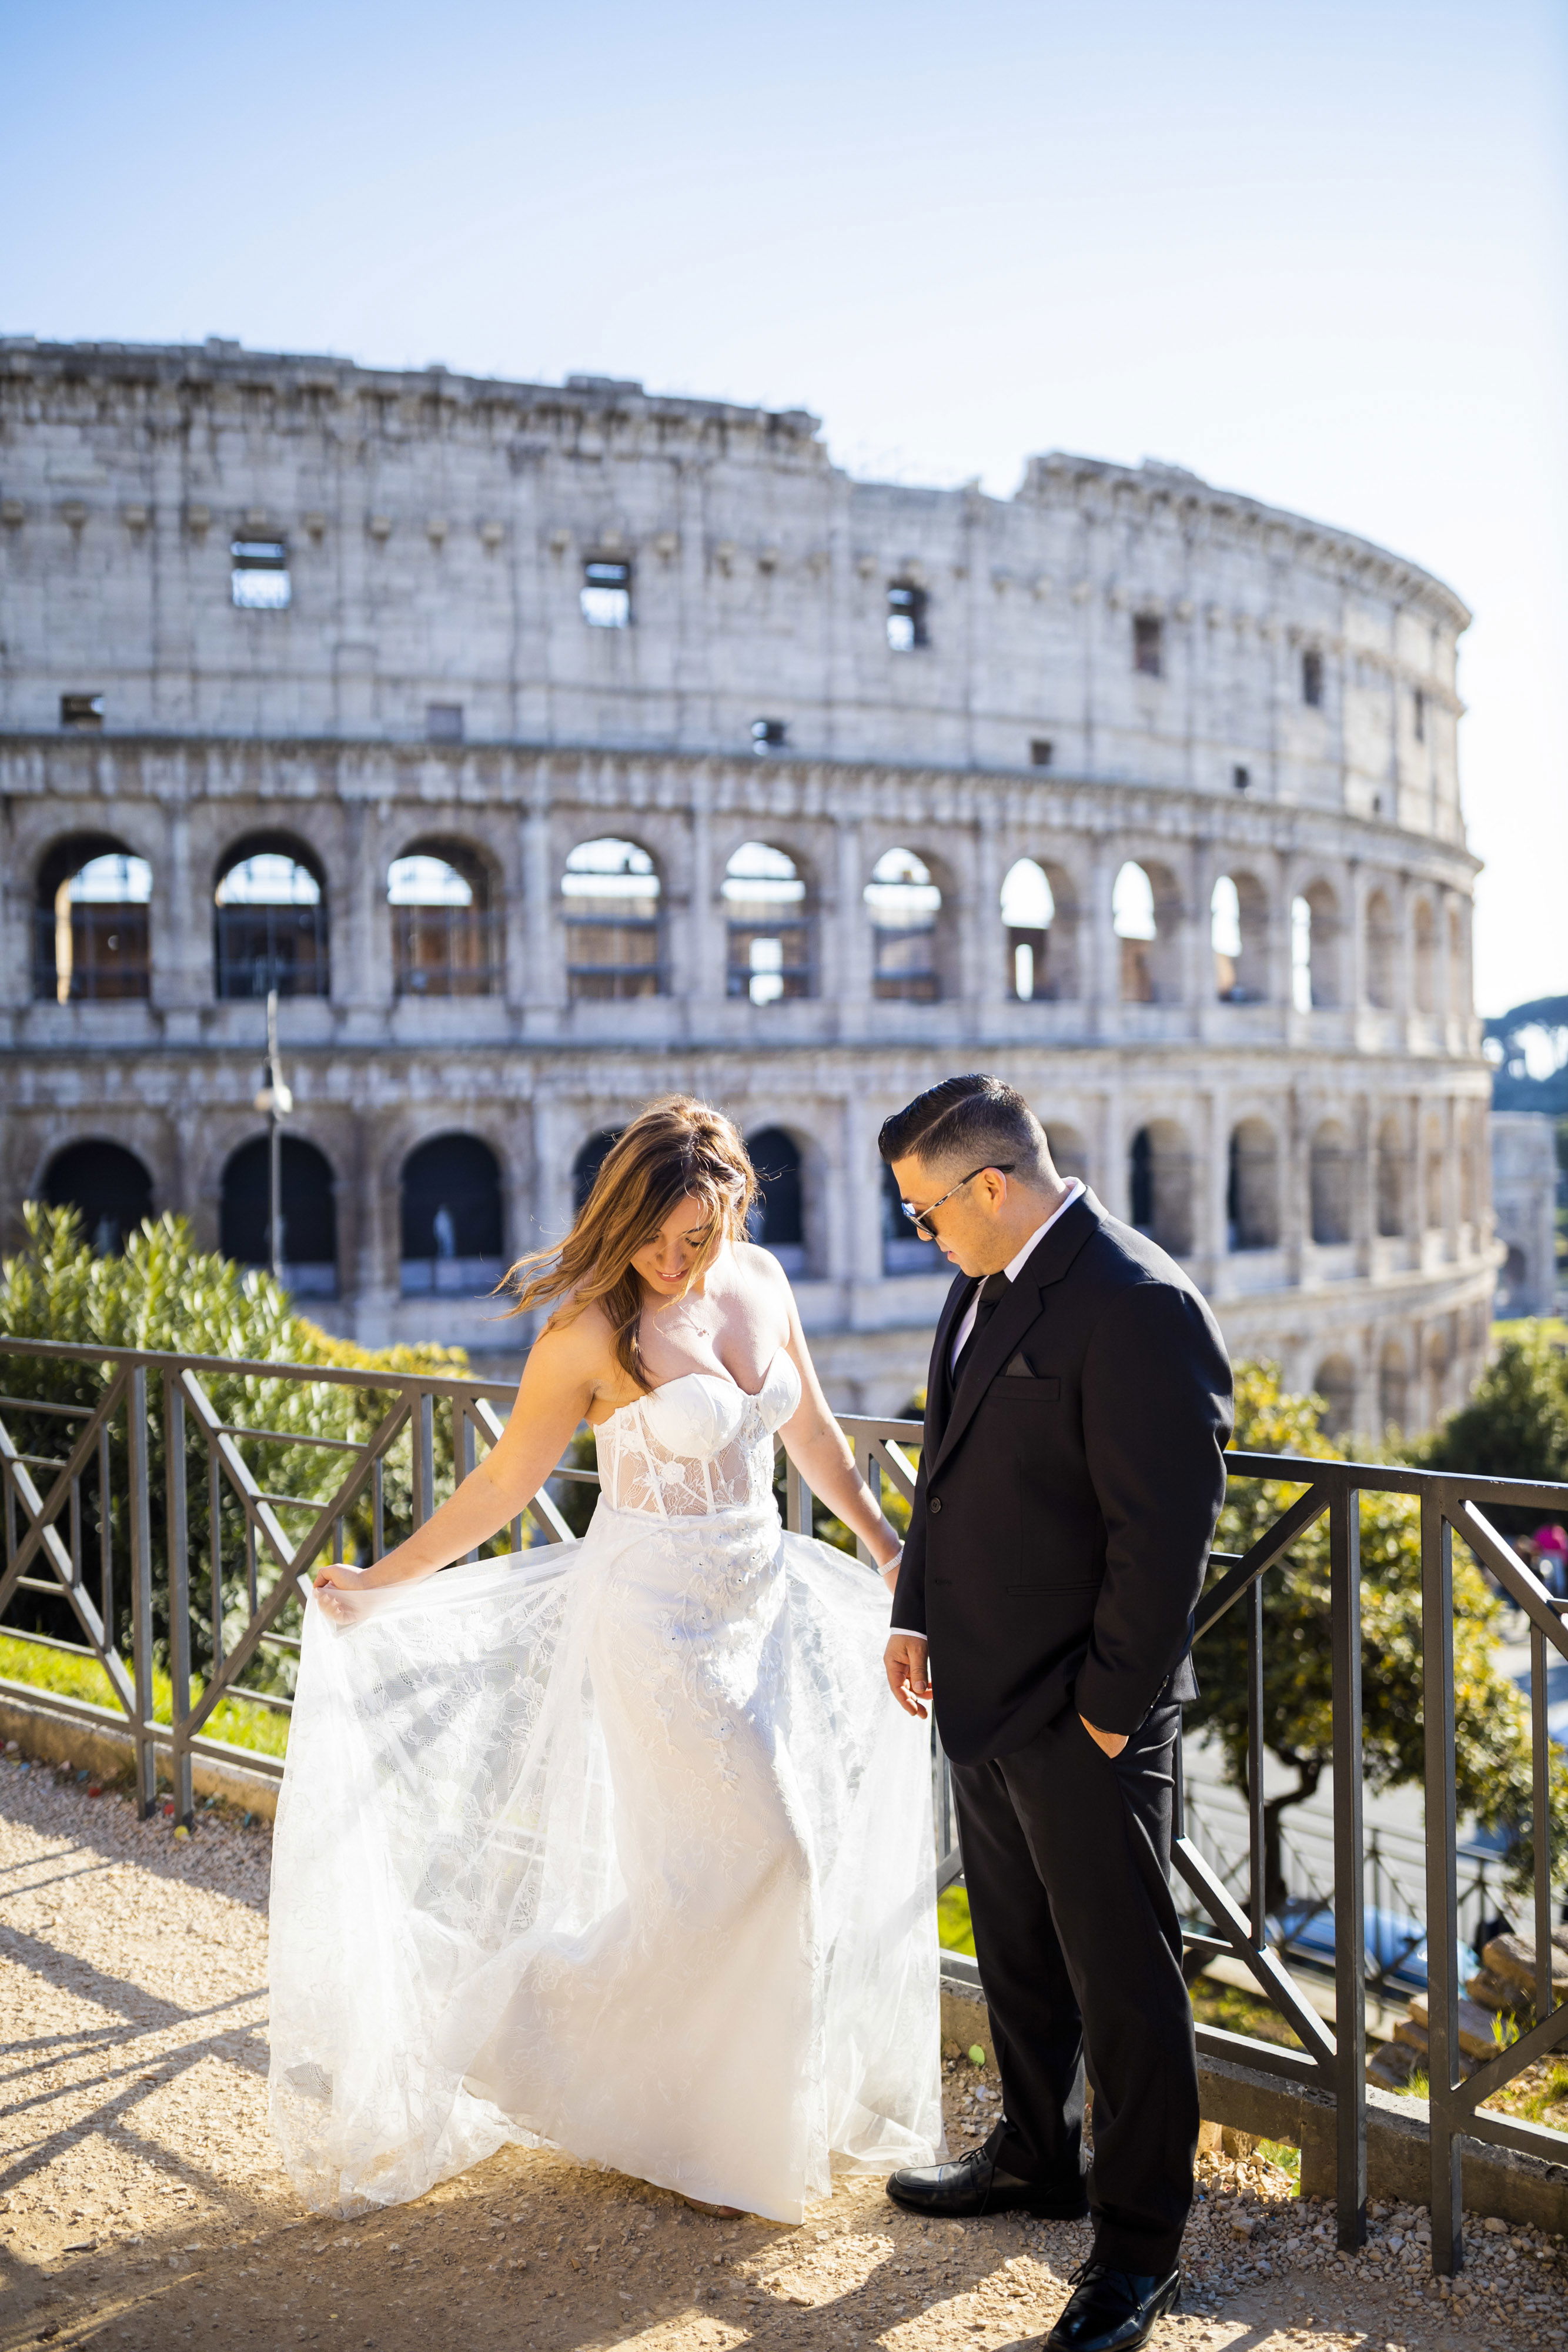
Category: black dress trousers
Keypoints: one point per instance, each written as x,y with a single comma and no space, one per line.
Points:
1066,1852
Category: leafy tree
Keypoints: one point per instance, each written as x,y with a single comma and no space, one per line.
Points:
1491,1723
1516,1423
165,1294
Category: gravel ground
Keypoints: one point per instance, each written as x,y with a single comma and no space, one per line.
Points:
142,2204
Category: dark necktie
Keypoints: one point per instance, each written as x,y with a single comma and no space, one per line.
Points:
993,1290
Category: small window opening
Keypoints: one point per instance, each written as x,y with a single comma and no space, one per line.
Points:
1241,778
1149,644
258,577
606,597
906,616
1312,677
84,711
1418,716
444,723
769,735
769,933
1042,751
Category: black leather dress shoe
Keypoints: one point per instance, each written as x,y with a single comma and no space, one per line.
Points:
977,2184
1111,2310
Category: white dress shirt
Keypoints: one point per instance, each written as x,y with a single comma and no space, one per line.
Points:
1012,1269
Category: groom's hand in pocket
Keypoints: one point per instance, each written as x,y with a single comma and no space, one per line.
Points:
908,1676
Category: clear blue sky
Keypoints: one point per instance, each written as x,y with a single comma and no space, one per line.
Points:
1315,253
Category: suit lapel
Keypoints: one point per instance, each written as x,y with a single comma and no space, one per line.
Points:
1046,1264
939,1389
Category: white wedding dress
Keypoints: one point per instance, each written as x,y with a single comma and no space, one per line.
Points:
623,1845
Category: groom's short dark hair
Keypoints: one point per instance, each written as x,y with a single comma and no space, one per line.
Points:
978,1119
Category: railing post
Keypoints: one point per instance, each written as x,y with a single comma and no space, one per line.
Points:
179,1595
1540,1807
424,1442
1350,1893
1257,1819
1442,1880
140,1503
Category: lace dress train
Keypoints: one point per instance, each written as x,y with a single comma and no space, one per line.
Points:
622,1846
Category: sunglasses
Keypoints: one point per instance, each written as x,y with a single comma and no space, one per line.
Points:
921,1218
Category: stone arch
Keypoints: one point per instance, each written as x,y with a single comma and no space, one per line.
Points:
1392,1177
612,898
270,924
1424,954
1317,945
778,1219
910,903
1160,1185
1331,1164
1146,913
1335,1380
445,897
1393,1387
1382,952
1252,1186
452,1224
588,1160
769,924
1239,935
309,1236
92,932
109,1188
1040,931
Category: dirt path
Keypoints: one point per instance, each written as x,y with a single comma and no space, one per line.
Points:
142,2203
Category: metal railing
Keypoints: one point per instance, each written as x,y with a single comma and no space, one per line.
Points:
103,1451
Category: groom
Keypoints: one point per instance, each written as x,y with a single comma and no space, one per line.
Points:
1070,1480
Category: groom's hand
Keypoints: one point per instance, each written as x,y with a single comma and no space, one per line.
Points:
1110,1742
909,1677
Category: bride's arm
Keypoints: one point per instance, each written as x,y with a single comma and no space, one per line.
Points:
822,1453
559,1383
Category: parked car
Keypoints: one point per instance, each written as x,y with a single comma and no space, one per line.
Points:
1395,1944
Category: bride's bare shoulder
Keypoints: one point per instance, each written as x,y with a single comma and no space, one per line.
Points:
576,1345
756,1264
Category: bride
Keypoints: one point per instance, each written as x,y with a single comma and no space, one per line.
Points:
617,1845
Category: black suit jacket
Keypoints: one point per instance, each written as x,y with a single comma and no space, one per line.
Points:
1068,1491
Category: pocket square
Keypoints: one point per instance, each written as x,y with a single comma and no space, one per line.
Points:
1019,1368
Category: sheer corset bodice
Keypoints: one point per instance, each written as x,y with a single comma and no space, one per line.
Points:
697,1444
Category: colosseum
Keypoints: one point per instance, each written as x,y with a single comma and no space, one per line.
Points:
547,747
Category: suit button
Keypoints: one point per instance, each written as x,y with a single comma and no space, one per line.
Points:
936,1504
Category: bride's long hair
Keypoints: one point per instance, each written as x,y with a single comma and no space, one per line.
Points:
677,1150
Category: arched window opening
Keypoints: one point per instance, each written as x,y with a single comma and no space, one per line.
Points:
768,953
612,940
1426,929
779,1218
1317,985
1238,916
90,942
1145,914
1028,911
903,1251
1068,1153
1335,1381
270,924
1252,1188
1160,1185
1330,1166
1381,952
1312,677
452,1225
1393,1388
906,608
308,1238
108,1186
1391,1161
590,1160
445,937
904,903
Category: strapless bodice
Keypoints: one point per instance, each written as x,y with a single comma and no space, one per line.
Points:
697,1444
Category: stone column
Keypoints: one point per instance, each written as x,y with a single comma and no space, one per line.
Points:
850,955
1100,951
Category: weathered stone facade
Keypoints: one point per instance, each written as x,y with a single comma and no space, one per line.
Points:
1524,1196
288,609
